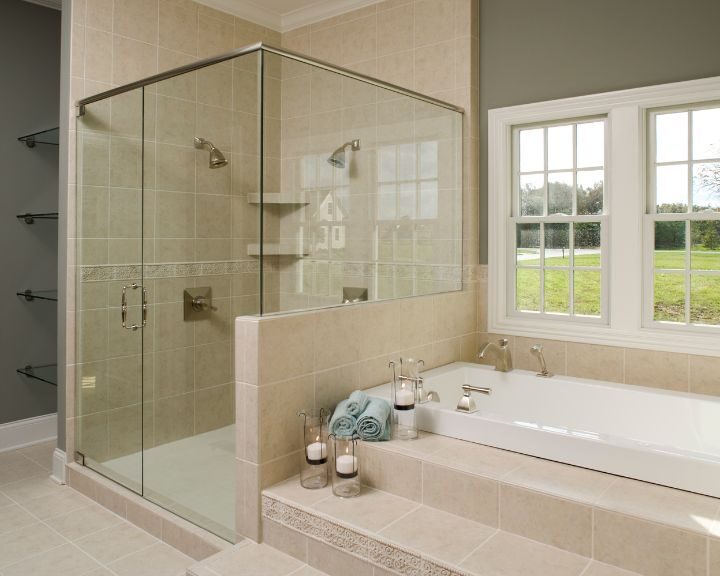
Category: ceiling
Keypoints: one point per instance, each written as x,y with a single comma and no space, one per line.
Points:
284,15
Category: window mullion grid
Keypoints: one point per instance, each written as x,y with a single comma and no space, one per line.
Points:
571,268
542,268
688,239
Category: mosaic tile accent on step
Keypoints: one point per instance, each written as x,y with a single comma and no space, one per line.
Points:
373,548
182,269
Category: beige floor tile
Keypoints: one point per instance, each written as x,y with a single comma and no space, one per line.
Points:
61,502
25,542
41,453
157,560
600,569
292,490
111,544
253,560
65,560
30,488
561,480
478,459
14,466
372,509
438,534
508,555
14,517
307,571
79,523
667,505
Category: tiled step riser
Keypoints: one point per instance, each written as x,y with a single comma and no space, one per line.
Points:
581,528
325,545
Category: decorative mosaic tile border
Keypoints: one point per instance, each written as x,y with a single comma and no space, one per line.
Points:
181,269
369,547
358,269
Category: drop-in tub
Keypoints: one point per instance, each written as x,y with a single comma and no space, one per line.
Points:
669,438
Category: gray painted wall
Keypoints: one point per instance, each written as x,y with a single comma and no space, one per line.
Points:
29,101
535,50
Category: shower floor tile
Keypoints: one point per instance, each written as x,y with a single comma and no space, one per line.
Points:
193,477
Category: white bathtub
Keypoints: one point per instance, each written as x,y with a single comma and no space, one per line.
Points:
669,438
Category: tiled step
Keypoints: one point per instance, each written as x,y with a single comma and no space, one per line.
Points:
634,525
250,559
380,533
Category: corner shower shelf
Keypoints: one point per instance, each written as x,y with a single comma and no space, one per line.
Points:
279,198
51,136
278,249
46,373
31,295
30,217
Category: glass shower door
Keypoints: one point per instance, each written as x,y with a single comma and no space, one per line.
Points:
111,296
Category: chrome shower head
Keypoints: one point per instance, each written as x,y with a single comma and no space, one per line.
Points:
217,159
337,158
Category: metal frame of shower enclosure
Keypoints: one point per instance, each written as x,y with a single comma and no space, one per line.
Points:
260,46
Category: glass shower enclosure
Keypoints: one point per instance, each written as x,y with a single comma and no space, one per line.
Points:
256,182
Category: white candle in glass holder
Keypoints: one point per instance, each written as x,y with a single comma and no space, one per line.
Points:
346,464
317,451
404,397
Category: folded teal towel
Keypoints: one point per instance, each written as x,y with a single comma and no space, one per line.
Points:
374,423
357,403
342,423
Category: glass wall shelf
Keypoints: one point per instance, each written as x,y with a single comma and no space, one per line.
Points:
30,217
45,373
279,198
51,136
31,295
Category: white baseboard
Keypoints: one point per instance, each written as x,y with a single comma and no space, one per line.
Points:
27,432
58,466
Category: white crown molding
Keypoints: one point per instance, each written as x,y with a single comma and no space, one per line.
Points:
316,12
54,4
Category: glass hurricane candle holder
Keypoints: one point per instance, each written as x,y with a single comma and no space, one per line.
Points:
404,395
313,472
345,466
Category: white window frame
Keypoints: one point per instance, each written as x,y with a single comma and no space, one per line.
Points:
627,230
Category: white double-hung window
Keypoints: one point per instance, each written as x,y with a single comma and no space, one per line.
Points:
604,218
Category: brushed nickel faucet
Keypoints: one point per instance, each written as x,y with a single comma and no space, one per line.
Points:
467,403
537,351
503,359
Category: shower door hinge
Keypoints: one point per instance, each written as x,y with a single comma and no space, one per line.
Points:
79,458
80,110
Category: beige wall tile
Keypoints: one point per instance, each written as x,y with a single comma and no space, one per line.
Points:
285,348
391,472
179,26
434,21
432,74
560,523
99,14
137,19
459,493
214,408
285,539
704,372
215,36
646,547
132,60
665,370
99,58
394,34
279,404
595,361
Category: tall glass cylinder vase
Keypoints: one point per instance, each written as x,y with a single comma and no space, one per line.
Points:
404,418
313,472
345,466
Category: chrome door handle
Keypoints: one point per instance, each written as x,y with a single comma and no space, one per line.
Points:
124,308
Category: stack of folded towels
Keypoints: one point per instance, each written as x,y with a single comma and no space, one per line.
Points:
360,414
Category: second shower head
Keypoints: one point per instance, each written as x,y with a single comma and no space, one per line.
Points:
217,158
337,158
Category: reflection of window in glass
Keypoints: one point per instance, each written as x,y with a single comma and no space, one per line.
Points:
684,208
330,209
408,181
558,214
